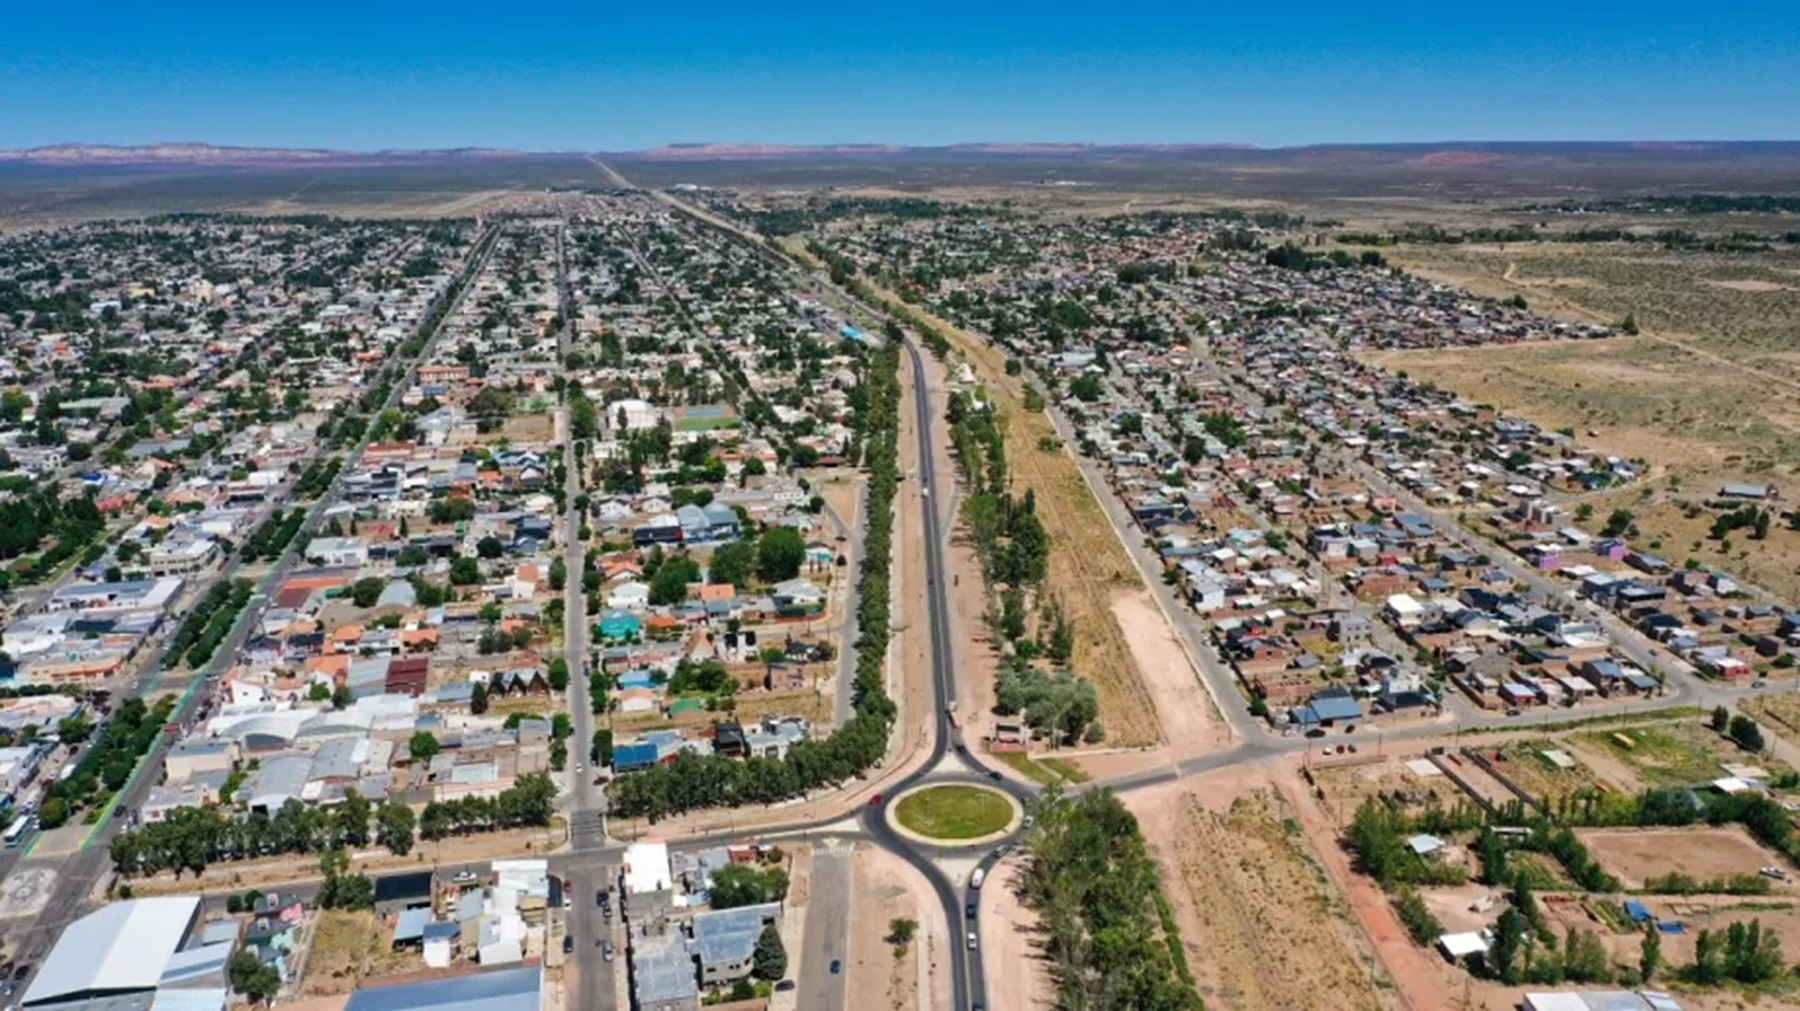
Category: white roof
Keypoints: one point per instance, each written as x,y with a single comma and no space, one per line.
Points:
1401,603
1559,1001
1458,945
647,867
121,947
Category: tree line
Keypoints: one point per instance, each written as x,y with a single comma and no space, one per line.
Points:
1109,931
191,839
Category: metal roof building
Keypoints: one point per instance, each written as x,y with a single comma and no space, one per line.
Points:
118,949
504,990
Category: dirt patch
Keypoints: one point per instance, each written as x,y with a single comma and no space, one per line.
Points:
1190,724
1262,923
887,890
1012,933
1637,855
1747,285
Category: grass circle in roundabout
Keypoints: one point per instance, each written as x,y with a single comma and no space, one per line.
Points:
955,811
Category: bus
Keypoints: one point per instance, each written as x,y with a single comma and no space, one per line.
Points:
15,833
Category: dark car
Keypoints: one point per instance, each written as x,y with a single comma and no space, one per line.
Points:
1316,732
969,910
994,774
568,943
784,986
875,801
22,971
836,966
599,896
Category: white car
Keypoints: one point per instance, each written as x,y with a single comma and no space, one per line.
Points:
580,768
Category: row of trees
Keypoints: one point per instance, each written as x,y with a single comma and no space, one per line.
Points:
191,839
1108,931
108,763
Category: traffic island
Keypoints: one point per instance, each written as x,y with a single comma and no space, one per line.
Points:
955,814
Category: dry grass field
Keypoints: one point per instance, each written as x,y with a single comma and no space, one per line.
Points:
1263,925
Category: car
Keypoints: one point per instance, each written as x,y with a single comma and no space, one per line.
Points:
1759,683
784,986
875,801
1514,712
1350,728
600,897
568,944
836,967
994,774
969,910
961,748
579,768
465,878
22,971
1028,822
950,707
1316,732
972,942
606,950
606,913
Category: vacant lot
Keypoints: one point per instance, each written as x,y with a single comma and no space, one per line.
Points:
342,942
955,812
1637,855
1264,927
1681,754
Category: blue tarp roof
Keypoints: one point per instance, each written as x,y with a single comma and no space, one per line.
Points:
1636,911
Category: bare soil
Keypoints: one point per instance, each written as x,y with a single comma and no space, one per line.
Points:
1018,973
1190,723
886,890
1636,855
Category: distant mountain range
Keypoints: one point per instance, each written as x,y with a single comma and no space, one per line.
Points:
1445,155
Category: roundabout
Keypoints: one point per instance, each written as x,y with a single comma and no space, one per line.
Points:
955,814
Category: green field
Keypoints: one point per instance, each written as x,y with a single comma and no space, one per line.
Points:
955,812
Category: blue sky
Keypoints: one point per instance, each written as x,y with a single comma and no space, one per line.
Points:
600,76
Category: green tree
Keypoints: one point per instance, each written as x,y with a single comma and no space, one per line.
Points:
737,885
490,547
779,554
1746,733
478,699
733,563
465,571
669,585
367,590
1721,718
1650,953
249,976
319,691
395,824
1509,943
901,931
423,746
769,959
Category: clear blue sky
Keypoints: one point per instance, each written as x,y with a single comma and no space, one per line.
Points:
602,76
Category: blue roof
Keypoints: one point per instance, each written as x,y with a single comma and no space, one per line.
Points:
504,990
411,925
1335,708
1637,911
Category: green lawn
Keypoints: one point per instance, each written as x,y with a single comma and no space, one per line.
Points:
955,812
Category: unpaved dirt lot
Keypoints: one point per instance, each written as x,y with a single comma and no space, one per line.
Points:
1012,934
1636,855
1190,723
1261,921
341,943
882,975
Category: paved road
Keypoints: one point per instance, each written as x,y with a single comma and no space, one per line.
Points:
596,987
827,937
78,873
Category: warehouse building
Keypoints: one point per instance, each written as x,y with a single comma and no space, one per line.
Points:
137,955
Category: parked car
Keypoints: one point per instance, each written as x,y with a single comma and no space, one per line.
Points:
836,966
875,801
568,944
606,950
